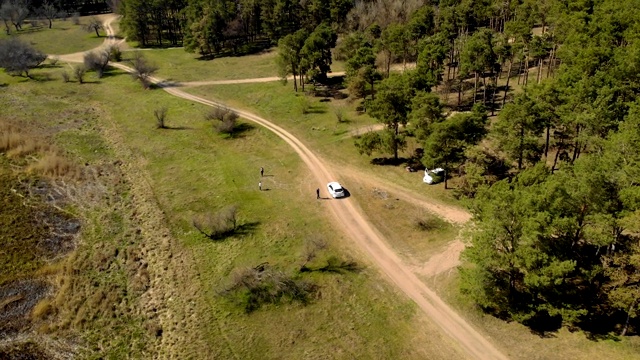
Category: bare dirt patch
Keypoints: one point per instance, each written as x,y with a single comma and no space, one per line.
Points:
17,299
444,261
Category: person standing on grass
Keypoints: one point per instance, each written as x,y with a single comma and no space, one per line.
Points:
261,171
318,193
260,185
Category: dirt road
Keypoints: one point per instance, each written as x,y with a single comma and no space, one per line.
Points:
366,236
110,40
360,231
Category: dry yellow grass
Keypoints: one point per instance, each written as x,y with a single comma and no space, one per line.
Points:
17,143
42,309
53,164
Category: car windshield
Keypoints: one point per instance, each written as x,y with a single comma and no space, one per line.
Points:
338,189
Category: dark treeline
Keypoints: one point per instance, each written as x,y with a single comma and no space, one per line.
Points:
14,13
83,7
213,26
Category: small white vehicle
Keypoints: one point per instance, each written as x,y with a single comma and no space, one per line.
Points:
335,189
433,176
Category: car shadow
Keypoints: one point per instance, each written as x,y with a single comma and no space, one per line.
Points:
346,195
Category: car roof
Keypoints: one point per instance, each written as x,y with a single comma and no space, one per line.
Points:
334,184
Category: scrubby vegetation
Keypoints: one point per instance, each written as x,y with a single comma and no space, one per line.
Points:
260,285
225,121
50,281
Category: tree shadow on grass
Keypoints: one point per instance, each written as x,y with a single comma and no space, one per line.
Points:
111,72
389,161
240,230
240,130
177,128
57,65
42,77
315,109
247,228
605,327
168,83
544,325
254,48
334,265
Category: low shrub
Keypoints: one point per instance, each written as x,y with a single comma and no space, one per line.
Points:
161,115
254,287
226,120
218,225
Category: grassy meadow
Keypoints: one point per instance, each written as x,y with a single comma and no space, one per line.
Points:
175,64
178,65
63,38
314,120
192,170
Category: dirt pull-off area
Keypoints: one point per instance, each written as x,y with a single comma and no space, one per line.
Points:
444,261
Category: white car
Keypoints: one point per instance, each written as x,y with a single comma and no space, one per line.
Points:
335,189
433,176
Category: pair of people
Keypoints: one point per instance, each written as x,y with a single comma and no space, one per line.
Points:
261,175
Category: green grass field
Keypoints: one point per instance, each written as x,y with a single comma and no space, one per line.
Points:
320,128
213,172
193,170
178,65
63,38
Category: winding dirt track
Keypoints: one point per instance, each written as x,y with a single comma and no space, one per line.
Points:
363,234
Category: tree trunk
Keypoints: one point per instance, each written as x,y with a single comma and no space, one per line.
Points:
295,82
552,57
373,94
540,64
459,92
626,323
395,142
475,88
576,146
388,63
484,90
520,148
50,23
446,174
404,62
546,144
506,87
519,71
493,96
555,160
